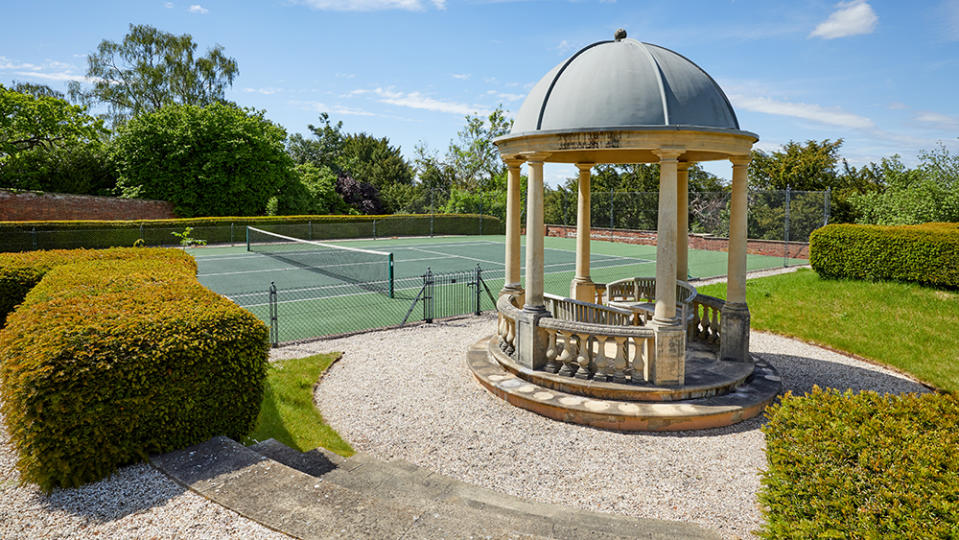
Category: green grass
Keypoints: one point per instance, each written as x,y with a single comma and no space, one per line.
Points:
906,326
288,414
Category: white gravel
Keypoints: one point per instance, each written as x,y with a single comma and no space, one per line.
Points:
408,394
136,502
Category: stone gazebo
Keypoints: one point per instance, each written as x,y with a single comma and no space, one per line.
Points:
641,353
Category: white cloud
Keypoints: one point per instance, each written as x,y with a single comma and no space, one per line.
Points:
345,75
805,111
897,106
949,17
168,5
198,9
264,91
55,76
334,109
370,5
416,100
461,76
505,96
938,120
850,19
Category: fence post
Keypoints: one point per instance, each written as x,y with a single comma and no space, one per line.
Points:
141,233
231,234
477,283
428,295
374,229
786,230
825,205
33,237
611,215
309,225
432,211
274,323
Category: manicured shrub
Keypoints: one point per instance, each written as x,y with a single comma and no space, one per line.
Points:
32,235
862,466
117,354
926,254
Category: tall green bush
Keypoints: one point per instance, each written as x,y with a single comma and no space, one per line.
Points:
217,160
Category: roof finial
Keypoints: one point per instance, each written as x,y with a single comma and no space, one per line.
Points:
620,34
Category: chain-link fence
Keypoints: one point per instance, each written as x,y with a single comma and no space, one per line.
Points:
66,235
784,216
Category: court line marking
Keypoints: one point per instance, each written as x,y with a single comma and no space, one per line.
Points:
460,257
285,269
246,254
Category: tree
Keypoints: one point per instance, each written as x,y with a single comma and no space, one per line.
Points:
150,69
927,193
216,160
39,90
324,149
474,157
48,144
374,161
802,167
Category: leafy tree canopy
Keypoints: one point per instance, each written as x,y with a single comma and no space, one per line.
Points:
218,160
149,69
29,121
473,156
804,167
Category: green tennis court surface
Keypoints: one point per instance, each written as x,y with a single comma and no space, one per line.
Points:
311,302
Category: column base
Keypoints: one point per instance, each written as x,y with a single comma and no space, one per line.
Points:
583,289
734,332
668,363
531,341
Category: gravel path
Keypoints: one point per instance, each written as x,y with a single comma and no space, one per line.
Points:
136,502
407,393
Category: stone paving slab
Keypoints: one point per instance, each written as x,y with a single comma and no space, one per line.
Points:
362,497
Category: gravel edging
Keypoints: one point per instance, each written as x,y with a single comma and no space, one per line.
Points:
407,394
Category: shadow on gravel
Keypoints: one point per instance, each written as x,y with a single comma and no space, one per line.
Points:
800,374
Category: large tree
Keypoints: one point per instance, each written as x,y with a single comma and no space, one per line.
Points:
149,69
218,160
473,156
48,144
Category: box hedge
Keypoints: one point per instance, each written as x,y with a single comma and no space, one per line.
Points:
926,254
862,466
34,235
115,354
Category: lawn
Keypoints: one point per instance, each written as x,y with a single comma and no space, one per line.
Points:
288,413
909,327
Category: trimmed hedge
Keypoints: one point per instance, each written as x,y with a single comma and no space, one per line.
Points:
862,466
926,254
116,354
34,235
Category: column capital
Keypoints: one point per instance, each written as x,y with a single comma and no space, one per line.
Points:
669,153
513,163
585,166
535,157
740,161
683,166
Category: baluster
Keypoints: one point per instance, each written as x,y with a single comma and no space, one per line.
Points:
552,349
568,356
510,336
600,360
642,357
583,358
714,324
501,331
619,360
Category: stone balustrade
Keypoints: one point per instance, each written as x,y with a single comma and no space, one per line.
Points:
639,294
601,352
569,309
704,325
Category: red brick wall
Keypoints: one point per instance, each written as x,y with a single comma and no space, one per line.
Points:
33,206
775,248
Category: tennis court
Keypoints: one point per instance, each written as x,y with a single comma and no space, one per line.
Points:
321,298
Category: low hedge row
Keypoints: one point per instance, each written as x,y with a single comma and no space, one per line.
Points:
115,354
926,254
862,466
33,235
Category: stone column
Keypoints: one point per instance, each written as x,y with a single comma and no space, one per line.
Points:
669,364
531,340
582,287
682,221
512,284
734,325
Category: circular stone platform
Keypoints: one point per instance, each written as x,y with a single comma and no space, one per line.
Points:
745,400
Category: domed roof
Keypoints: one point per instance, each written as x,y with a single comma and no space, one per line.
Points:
625,84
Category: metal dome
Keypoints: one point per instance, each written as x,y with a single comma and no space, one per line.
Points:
625,84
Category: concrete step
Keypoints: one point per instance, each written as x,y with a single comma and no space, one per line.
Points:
361,497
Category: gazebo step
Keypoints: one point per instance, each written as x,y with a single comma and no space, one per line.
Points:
745,401
706,376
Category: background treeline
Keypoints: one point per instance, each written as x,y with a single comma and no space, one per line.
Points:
155,124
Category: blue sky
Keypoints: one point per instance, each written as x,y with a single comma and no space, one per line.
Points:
880,74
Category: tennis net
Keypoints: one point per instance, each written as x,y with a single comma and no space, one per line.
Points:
371,270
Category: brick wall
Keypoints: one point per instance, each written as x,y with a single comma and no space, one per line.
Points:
775,248
34,206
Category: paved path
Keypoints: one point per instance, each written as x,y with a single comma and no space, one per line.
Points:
318,494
